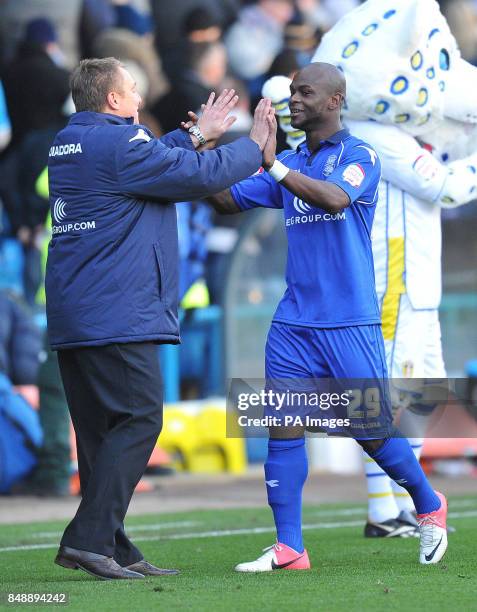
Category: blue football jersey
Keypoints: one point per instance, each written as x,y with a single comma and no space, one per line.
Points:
330,272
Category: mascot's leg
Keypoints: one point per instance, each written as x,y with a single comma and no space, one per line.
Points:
381,502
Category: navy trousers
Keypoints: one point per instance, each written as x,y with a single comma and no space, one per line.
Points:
115,396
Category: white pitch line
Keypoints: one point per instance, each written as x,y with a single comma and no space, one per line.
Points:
198,534
355,511
229,532
132,529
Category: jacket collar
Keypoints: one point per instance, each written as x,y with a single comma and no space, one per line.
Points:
89,118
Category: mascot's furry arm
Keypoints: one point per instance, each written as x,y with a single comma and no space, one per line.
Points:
413,168
460,185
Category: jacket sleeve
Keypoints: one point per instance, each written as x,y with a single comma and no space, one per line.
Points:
148,169
177,138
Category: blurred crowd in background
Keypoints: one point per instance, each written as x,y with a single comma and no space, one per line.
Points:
178,52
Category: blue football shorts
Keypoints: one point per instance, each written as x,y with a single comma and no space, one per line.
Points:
335,375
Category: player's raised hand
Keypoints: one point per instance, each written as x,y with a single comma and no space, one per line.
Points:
193,120
271,145
261,127
215,119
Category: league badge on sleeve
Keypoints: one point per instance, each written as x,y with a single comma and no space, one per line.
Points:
426,166
354,175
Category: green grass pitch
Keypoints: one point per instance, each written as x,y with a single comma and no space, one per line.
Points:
349,573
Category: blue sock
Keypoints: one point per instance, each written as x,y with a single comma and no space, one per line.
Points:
397,459
286,470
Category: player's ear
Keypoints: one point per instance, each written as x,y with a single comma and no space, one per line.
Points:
112,99
336,102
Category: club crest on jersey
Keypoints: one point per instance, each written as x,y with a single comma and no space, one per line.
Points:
329,165
354,175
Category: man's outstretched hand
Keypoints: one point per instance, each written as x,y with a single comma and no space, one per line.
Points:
269,151
215,119
261,127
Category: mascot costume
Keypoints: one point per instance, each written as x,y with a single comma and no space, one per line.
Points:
413,98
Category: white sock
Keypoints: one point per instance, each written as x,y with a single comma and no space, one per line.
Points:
381,502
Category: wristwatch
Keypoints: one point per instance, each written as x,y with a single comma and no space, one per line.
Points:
195,131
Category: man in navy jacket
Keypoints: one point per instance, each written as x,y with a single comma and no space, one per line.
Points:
112,286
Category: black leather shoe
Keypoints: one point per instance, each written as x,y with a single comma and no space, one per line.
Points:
99,566
147,569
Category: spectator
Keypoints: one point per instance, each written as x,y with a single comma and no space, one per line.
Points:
200,26
169,20
205,72
194,219
337,8
36,88
315,14
20,342
65,16
285,64
20,431
96,16
128,17
242,112
257,37
20,358
36,91
139,51
302,38
51,476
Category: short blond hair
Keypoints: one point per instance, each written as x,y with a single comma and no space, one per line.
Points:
91,82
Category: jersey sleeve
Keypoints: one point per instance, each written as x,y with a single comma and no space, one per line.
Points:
358,173
259,190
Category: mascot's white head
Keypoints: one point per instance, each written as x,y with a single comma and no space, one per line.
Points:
402,65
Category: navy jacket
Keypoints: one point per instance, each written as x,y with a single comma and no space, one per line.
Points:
112,271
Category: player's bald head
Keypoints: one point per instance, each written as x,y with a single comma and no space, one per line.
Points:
325,75
317,95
